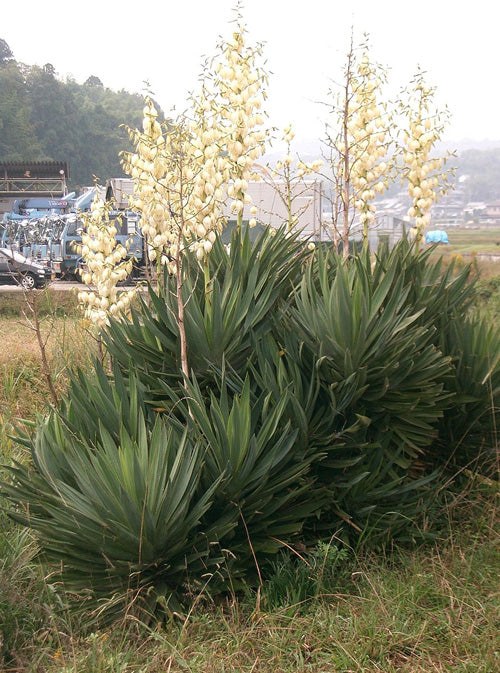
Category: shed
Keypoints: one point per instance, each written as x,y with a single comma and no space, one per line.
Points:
26,179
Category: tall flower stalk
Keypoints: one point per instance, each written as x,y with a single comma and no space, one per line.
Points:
210,178
359,144
239,95
287,177
183,170
148,167
368,125
163,168
423,172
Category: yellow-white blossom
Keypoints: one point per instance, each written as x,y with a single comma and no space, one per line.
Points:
149,167
423,172
210,174
368,146
217,143
239,84
105,265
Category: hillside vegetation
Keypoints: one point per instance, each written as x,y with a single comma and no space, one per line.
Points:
45,118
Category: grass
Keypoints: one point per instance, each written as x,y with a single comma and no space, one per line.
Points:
479,247
62,303
24,392
435,608
413,611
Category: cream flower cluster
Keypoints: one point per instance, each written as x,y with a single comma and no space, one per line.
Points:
288,134
367,123
180,170
423,174
240,87
148,167
208,194
178,174
106,265
426,180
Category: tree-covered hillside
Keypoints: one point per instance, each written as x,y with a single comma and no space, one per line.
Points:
45,118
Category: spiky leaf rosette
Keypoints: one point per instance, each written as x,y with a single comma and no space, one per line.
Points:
468,433
266,492
249,285
384,381
117,504
445,299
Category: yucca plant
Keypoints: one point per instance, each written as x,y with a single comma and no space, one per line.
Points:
445,297
468,432
135,506
324,397
121,496
117,506
384,380
440,293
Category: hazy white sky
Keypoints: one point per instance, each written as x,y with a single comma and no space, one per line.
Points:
127,42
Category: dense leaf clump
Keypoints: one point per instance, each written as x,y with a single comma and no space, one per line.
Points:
326,398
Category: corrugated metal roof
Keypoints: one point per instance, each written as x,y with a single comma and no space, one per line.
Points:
19,169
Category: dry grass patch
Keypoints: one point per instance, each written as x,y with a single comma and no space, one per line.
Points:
25,391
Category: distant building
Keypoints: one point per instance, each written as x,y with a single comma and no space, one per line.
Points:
474,211
270,203
493,211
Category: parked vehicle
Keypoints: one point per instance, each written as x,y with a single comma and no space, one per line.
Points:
38,207
15,267
49,232
36,239
67,257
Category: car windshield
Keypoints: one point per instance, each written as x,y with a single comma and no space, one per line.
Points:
16,256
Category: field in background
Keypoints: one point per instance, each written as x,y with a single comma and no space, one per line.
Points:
481,244
24,391
474,240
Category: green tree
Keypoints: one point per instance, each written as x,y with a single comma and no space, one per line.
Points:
93,81
5,51
53,113
43,117
18,139
100,134
81,124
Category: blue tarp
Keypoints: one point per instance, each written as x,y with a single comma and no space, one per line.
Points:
437,236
